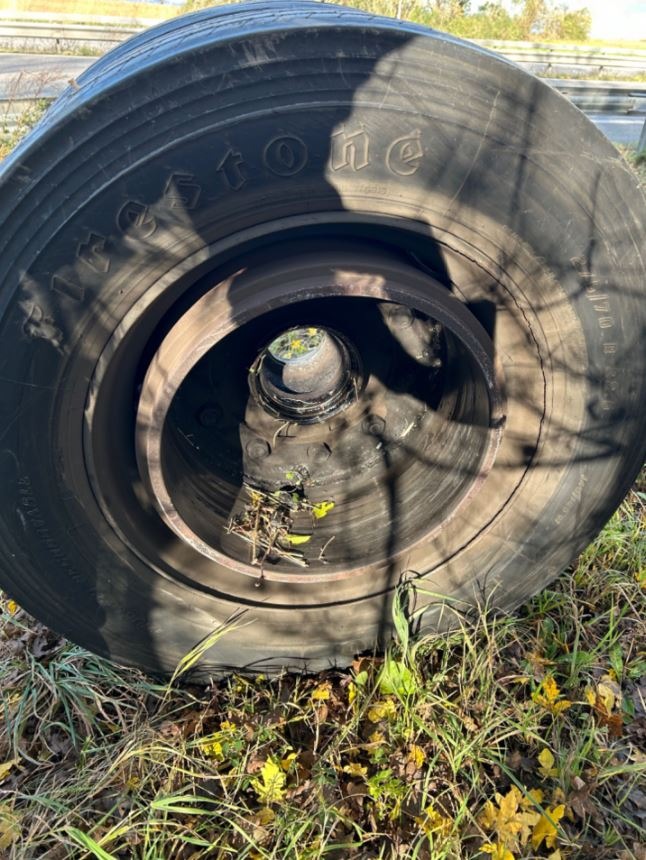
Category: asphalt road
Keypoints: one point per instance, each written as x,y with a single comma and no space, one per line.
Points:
27,76
38,75
620,128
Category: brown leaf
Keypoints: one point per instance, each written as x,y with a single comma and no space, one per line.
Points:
321,710
579,800
169,729
255,764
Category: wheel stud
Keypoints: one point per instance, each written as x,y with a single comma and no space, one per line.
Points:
258,449
374,425
401,316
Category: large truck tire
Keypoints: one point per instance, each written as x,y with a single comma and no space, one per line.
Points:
298,304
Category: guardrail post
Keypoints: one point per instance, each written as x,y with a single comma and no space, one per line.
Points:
641,146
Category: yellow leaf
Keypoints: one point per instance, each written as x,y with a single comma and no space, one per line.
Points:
550,689
355,769
12,607
377,738
488,817
591,697
352,692
384,710
265,816
511,823
9,827
607,695
533,798
7,766
556,855
434,823
286,762
416,755
321,693
545,828
270,788
546,761
507,817
497,851
558,796
211,747
297,540
549,697
322,509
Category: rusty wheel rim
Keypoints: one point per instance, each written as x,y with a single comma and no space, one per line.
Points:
281,293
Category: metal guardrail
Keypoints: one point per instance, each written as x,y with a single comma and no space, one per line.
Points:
56,18
591,100
45,32
551,57
45,37
603,96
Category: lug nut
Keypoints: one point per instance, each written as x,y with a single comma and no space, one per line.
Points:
401,316
374,424
258,449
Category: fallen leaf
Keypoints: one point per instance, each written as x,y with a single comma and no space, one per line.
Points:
265,815
416,755
7,766
270,788
9,827
322,692
546,762
579,799
286,762
296,540
532,799
322,509
509,818
497,851
384,710
546,827
355,769
211,747
550,698
433,823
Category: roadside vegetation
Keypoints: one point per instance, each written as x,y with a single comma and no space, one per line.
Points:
516,736
88,8
528,20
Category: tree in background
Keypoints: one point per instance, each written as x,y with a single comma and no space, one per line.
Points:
530,20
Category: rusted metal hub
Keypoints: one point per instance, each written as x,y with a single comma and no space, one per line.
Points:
348,382
306,374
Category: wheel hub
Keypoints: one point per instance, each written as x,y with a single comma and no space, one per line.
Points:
306,374
351,381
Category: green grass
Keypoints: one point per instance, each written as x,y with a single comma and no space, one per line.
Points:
521,735
637,162
410,756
